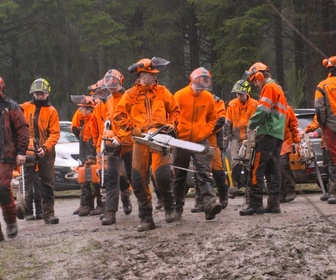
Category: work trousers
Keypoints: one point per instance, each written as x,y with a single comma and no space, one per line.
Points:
7,202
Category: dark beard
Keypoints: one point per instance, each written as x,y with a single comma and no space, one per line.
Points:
41,103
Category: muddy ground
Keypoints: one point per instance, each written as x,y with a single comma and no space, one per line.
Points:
299,243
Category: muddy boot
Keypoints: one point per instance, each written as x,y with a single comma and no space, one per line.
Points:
30,218
97,211
325,197
233,192
126,202
198,208
2,238
178,214
76,212
332,199
273,204
20,211
12,230
170,216
255,205
39,216
146,223
109,218
159,204
52,220
290,197
85,212
212,210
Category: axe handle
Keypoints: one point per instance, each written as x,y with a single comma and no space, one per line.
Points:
228,170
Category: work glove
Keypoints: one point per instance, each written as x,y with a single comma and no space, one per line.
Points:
136,132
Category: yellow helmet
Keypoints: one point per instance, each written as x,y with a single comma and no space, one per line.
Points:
242,87
41,85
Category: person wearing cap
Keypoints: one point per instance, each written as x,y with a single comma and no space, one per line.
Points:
144,107
80,126
197,122
268,122
325,106
44,127
238,114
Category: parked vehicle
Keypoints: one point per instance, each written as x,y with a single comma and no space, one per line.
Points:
67,155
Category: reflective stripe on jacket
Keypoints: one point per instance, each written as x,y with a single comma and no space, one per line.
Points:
270,115
198,114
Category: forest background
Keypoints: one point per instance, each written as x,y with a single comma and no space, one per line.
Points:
72,43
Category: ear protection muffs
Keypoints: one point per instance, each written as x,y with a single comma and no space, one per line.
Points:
259,76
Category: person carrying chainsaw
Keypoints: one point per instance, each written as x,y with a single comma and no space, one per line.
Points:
291,141
238,114
217,168
325,104
44,129
117,145
145,107
197,122
80,126
14,140
268,122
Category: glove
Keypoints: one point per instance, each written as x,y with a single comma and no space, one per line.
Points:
136,132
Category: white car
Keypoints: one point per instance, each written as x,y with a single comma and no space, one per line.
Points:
67,155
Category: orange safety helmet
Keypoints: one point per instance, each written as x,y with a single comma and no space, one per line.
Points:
256,71
113,79
329,62
87,101
2,84
154,65
201,79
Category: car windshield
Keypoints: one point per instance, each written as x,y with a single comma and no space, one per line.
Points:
66,135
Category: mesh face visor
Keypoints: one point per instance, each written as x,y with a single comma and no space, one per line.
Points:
111,81
203,82
102,93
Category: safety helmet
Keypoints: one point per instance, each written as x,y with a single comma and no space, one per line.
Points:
242,87
113,79
201,79
41,85
329,62
256,71
2,84
87,101
154,65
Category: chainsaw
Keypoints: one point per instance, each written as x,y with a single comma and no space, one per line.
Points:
246,152
159,140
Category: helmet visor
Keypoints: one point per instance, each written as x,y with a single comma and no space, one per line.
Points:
102,93
203,82
111,81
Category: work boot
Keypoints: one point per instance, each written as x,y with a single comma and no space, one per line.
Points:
198,208
85,211
273,204
109,218
39,216
212,210
2,238
12,230
76,212
224,202
178,214
127,205
233,192
159,204
170,216
324,197
30,218
99,210
20,211
332,199
51,220
272,210
252,210
146,223
290,197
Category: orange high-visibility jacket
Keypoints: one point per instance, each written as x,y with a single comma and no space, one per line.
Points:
237,118
48,125
83,123
291,132
221,113
123,137
146,107
325,96
198,114
97,124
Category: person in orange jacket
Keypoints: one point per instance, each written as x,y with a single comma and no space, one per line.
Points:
44,128
325,105
14,140
217,168
80,126
238,114
118,148
291,138
148,105
268,121
197,122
